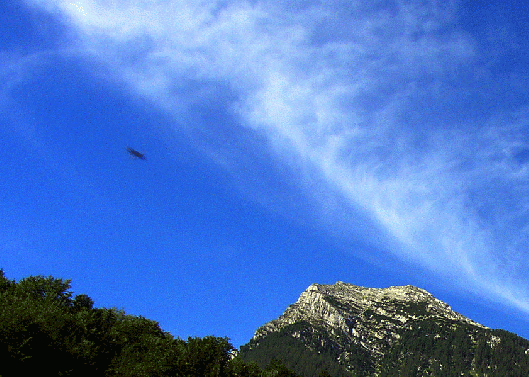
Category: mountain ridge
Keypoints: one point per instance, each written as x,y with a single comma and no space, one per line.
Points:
330,304
371,330
369,296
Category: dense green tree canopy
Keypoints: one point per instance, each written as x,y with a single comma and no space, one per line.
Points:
45,328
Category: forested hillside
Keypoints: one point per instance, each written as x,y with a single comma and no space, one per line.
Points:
45,328
432,348
401,331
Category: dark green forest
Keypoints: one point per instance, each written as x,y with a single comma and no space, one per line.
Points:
311,353
431,347
448,348
45,328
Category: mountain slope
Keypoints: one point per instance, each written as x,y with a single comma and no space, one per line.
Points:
397,331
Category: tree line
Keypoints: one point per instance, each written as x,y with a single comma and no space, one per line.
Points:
45,329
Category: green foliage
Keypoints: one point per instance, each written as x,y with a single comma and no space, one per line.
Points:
411,308
82,302
308,354
207,356
240,368
438,348
446,348
5,283
505,357
44,328
49,289
34,315
277,369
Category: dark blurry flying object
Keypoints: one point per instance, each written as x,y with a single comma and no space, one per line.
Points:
135,153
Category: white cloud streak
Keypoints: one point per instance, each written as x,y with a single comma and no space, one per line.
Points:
367,97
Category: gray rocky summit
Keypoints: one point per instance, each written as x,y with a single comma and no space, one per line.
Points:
338,304
372,317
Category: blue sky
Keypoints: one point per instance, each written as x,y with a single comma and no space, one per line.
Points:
377,143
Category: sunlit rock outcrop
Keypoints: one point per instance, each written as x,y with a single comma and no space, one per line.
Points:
372,317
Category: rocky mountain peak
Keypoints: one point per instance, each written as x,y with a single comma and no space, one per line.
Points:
384,332
370,317
336,304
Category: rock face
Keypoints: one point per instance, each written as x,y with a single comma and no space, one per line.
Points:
371,317
373,332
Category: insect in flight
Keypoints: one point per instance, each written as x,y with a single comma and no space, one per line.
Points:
135,153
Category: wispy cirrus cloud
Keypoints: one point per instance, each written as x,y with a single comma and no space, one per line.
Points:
388,105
